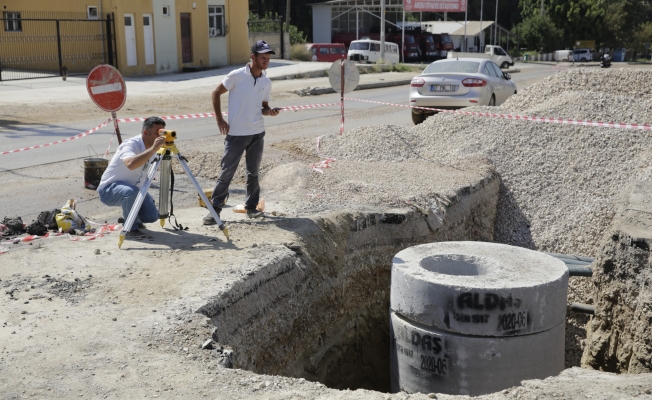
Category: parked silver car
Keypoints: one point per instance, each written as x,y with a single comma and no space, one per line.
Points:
452,84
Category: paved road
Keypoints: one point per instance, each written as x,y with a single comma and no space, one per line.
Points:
308,123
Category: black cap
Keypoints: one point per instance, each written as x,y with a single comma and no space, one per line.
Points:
261,46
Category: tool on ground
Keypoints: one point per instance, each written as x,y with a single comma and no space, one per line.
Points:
164,159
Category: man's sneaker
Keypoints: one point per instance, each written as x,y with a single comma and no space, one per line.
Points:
140,224
255,214
135,234
209,220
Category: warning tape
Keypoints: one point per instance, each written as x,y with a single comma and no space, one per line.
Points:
81,135
320,166
100,231
209,115
578,122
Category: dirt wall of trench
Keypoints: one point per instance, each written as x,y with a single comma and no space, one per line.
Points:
619,336
318,308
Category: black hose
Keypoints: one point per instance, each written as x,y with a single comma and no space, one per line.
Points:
583,308
576,270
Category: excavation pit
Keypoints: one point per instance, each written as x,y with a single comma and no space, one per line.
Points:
317,308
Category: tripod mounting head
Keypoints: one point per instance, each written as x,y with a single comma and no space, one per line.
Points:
170,136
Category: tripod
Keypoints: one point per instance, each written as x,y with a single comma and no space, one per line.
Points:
164,159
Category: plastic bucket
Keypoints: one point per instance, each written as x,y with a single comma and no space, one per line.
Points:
93,170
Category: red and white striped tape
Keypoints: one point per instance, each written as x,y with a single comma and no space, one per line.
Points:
81,135
578,122
209,115
100,231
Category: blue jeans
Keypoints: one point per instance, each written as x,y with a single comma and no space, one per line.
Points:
124,194
234,147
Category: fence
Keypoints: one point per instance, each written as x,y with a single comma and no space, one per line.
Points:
270,31
65,44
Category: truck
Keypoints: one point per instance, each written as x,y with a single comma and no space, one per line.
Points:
495,53
443,44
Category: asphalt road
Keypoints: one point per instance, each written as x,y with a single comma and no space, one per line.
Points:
288,125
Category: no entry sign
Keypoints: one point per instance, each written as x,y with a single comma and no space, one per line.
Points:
106,88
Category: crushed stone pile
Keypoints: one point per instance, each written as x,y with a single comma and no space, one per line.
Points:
560,183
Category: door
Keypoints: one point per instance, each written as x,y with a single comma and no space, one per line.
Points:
186,38
130,40
503,86
149,39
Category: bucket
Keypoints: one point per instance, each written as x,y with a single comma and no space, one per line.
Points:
93,170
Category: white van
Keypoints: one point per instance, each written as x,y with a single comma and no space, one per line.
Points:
563,55
368,51
583,55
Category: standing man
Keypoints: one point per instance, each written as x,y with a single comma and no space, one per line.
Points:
249,93
127,172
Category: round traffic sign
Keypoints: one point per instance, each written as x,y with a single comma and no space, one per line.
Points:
351,76
106,88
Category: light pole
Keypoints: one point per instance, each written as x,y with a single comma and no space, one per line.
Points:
496,25
481,30
382,31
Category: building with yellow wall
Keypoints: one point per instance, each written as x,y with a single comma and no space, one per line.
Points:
152,37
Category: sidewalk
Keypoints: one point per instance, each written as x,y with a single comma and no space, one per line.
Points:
282,72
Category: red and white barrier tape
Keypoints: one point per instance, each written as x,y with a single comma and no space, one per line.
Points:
578,122
320,166
100,231
81,135
209,115
106,153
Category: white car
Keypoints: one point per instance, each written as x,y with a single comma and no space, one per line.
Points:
452,84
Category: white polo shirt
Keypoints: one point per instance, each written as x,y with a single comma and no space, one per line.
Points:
246,96
117,171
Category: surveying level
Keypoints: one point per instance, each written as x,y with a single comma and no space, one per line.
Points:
164,159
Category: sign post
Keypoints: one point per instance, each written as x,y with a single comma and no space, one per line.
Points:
108,91
343,76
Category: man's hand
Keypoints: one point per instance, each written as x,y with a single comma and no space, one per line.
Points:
223,126
274,112
158,143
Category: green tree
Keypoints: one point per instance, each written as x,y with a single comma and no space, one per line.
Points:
271,22
538,32
611,23
642,36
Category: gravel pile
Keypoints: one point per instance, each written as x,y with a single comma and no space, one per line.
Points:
560,183
634,83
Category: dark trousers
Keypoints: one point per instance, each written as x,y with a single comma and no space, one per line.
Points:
234,146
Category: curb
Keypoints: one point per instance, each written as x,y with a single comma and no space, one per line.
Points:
364,86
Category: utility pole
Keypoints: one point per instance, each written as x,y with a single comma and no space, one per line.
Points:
466,12
286,35
382,31
542,8
496,24
481,30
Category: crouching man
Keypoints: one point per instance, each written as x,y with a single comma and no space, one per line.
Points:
127,172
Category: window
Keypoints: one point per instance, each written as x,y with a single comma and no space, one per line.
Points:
323,50
216,21
499,52
91,12
375,47
498,73
359,46
166,11
12,22
467,67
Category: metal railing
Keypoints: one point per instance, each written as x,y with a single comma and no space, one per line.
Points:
51,47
